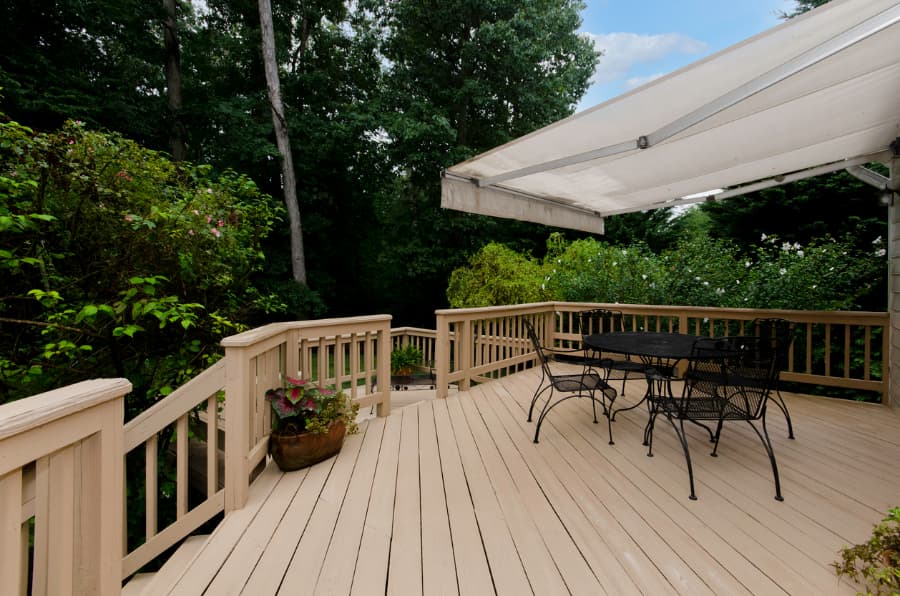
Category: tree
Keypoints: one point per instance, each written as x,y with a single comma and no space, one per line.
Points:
99,61
173,80
279,123
463,77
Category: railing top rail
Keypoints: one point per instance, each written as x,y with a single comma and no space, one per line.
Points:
25,414
412,330
252,336
805,316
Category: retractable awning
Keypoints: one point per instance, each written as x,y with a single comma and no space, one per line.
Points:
818,93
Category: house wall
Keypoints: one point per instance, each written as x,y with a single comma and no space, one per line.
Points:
894,273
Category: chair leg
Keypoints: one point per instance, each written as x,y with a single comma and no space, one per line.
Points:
537,394
682,437
767,443
787,416
716,439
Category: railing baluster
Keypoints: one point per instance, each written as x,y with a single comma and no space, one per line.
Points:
212,446
181,467
151,486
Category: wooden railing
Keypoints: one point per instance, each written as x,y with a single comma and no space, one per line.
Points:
832,349
62,452
170,419
61,471
423,339
352,353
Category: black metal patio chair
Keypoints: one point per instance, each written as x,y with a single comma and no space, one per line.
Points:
584,384
727,379
780,336
603,320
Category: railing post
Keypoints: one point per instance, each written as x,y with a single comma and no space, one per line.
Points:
384,369
465,352
442,356
237,427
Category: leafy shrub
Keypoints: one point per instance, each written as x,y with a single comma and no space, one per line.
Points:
120,262
496,275
876,563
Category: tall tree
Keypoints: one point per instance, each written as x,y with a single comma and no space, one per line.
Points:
464,77
279,122
173,80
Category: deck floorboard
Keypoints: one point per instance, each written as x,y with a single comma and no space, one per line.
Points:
454,497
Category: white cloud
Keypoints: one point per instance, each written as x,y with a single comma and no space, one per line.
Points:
622,51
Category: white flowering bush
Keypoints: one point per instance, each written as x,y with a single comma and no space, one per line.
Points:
823,275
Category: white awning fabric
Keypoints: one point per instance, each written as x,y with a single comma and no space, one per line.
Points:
820,92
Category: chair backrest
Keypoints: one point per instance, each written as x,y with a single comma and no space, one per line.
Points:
536,343
705,375
750,371
600,320
780,335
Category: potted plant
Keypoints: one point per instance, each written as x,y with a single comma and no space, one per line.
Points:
405,360
308,422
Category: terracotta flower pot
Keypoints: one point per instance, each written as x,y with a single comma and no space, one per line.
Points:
293,451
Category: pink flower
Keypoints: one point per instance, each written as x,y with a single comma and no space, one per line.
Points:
221,223
129,218
190,232
209,191
216,232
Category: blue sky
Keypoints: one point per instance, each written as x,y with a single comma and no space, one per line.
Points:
644,39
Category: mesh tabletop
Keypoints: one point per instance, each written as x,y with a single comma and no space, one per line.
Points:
650,345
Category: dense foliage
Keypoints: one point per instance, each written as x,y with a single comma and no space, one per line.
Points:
700,271
120,263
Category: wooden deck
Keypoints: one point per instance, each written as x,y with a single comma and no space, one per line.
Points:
452,496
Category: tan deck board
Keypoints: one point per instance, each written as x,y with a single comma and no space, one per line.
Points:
453,497
406,543
474,575
370,575
438,565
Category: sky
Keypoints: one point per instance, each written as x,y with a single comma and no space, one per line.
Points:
645,39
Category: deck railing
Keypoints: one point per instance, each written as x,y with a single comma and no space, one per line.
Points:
61,472
62,487
833,349
171,418
352,353
62,452
423,339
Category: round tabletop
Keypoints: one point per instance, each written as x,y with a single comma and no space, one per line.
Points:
671,346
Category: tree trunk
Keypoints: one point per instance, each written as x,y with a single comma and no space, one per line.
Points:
298,262
173,80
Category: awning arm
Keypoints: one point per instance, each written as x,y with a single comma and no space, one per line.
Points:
844,164
869,177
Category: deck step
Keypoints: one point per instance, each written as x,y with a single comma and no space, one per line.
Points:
137,584
171,570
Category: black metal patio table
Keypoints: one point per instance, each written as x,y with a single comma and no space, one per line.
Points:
659,351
